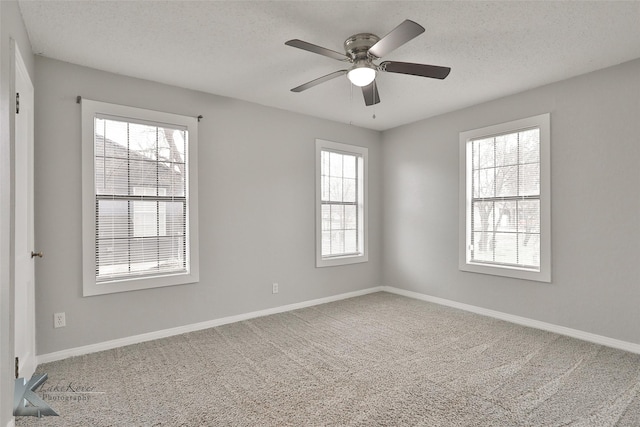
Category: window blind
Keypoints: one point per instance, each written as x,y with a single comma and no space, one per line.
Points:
141,205
505,203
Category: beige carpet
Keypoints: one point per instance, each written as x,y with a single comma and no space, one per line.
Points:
375,360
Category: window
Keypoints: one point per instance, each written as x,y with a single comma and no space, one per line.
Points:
341,204
505,199
139,199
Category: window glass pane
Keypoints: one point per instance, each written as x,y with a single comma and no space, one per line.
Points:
530,146
335,164
144,255
142,173
337,242
149,219
113,137
171,145
145,191
326,217
349,190
324,188
175,218
529,249
507,181
349,163
337,217
482,246
529,179
112,257
335,189
324,163
143,141
113,221
111,176
506,250
529,216
171,253
475,155
483,183
98,137
350,217
483,153
350,241
506,149
506,216
171,179
482,219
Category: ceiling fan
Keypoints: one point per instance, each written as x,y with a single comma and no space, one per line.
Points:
364,48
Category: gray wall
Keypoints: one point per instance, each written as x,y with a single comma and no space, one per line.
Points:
256,197
595,153
11,27
256,208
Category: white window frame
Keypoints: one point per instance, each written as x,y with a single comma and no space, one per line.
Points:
90,109
363,212
543,274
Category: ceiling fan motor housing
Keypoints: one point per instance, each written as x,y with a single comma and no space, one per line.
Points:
358,45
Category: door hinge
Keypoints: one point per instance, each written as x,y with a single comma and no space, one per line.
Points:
17,367
17,102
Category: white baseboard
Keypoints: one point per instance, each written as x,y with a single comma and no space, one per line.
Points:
135,339
12,423
561,330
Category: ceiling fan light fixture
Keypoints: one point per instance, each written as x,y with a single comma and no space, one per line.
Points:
361,75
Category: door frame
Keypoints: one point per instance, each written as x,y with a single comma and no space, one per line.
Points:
24,293
7,169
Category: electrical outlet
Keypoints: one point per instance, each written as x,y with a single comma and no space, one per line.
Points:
274,288
59,320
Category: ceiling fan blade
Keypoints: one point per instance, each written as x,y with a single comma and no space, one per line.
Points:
422,70
319,80
396,38
370,92
317,49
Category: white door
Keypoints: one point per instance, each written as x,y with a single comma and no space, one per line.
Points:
24,263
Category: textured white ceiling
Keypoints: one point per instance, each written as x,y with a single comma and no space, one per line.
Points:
236,48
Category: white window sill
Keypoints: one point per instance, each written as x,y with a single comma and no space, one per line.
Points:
544,275
341,260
